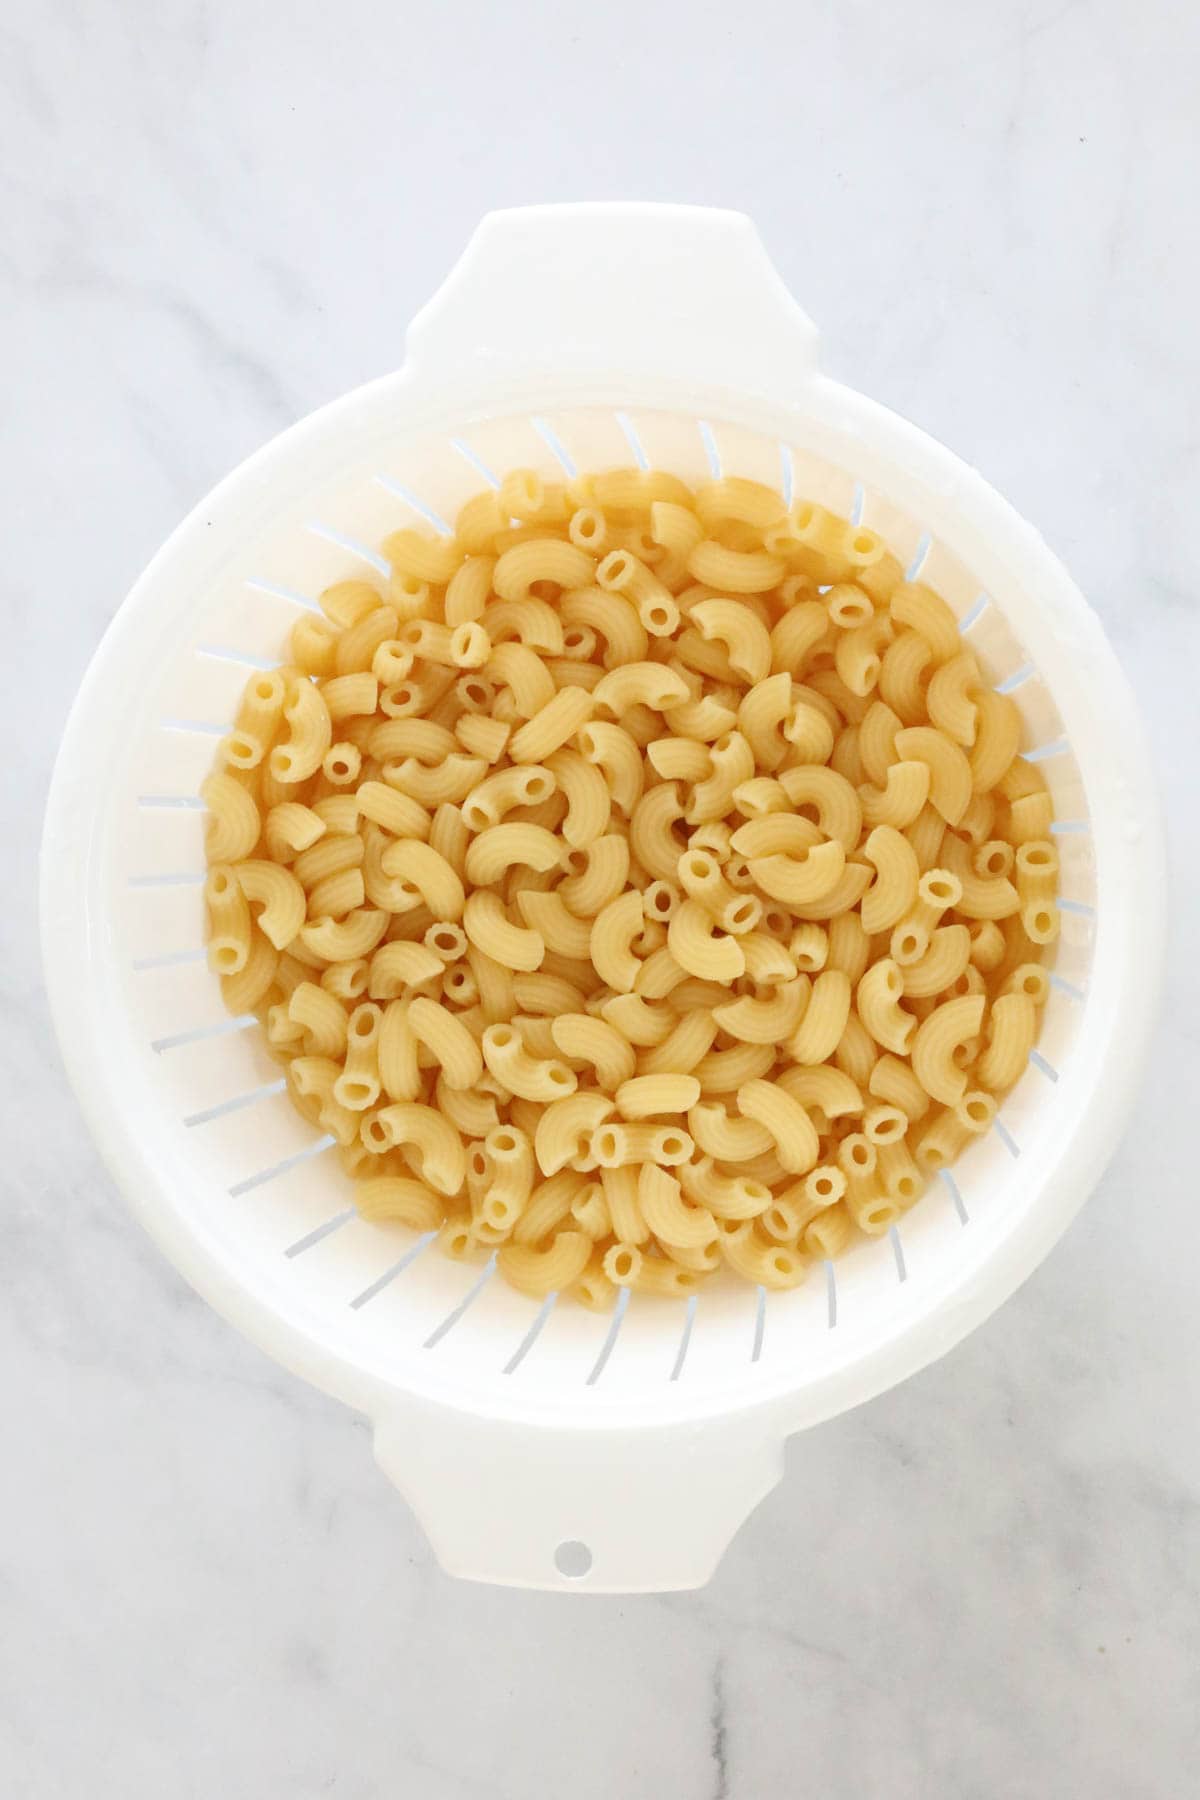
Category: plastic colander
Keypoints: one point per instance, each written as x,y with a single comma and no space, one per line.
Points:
546,1445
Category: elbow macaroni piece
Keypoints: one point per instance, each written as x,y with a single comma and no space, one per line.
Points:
743,634
530,1077
892,893
927,614
1011,1033
820,1029
614,1145
953,1023
877,740
542,559
233,824
950,781
589,801
997,739
785,1118
731,763
700,948
290,828
359,1084
491,931
540,1272
683,1048
496,850
726,1137
825,1087
446,1038
561,930
947,955
228,924
767,1021
640,684
613,932
734,571
899,801
611,749
650,1096
564,1131
552,724
878,1002
833,798
952,707
674,1220
430,1139
766,1264
801,882
431,875
586,1039
637,883
279,893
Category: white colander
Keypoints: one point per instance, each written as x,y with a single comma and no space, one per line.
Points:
545,1445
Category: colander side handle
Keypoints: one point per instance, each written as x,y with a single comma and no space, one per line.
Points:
603,1511
665,291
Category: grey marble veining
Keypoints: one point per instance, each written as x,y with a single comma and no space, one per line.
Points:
983,1586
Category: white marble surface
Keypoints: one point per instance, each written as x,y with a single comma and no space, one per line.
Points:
217,216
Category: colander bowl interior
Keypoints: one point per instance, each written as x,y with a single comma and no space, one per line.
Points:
260,1186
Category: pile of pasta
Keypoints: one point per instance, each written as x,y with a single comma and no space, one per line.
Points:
644,882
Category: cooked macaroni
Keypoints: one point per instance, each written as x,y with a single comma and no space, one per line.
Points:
641,882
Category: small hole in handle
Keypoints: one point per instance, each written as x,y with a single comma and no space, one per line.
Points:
573,1559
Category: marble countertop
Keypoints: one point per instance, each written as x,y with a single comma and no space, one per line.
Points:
219,214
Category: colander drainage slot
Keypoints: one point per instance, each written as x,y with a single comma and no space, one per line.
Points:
1076,906
372,557
468,1299
1045,1068
787,474
554,444
1017,679
282,593
858,503
924,545
1057,747
179,1038
204,727
235,1104
1069,827
831,1293
760,1323
1066,987
186,802
322,1231
632,439
686,1336
610,1339
710,448
898,1253
1006,1138
261,1178
952,1188
389,1275
531,1336
974,613
169,959
244,658
413,501
469,456
175,878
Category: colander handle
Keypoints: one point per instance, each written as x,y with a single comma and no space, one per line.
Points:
607,1511
661,291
